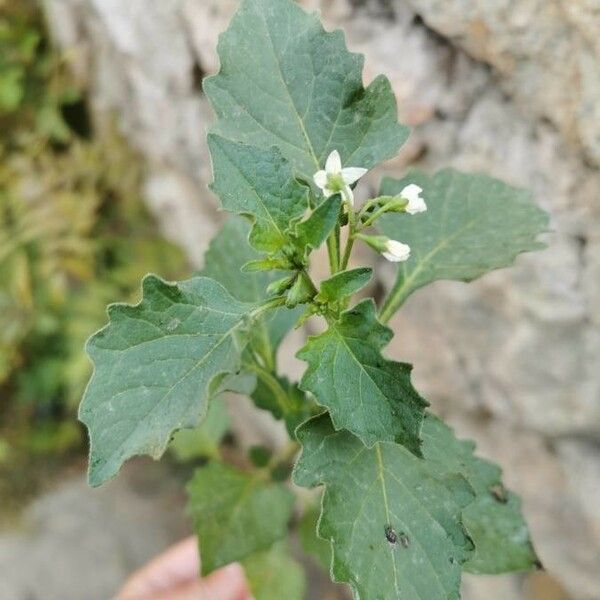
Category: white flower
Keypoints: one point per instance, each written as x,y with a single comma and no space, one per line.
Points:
416,204
335,180
396,251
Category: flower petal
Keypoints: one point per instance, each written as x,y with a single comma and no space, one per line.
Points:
320,178
416,205
333,164
327,192
411,191
352,174
349,195
396,251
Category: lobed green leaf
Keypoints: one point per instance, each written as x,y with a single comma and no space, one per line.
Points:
285,82
368,395
394,522
236,514
156,364
259,183
344,284
493,520
312,232
473,224
387,490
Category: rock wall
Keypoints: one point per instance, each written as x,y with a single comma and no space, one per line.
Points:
511,87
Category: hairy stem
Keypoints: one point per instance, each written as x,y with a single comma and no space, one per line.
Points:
334,255
374,217
351,232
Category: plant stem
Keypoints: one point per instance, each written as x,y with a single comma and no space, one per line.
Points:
374,217
351,232
348,250
334,255
367,205
270,380
268,305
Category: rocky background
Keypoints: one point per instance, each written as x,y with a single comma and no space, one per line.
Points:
510,87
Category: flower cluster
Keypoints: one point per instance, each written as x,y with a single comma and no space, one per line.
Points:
335,179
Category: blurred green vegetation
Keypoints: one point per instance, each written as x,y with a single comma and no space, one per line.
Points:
74,236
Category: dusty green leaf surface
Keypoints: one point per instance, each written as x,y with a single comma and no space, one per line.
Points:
260,183
473,224
314,231
394,523
155,365
493,520
365,393
286,82
344,284
236,514
275,575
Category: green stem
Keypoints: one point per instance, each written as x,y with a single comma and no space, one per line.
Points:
348,250
367,205
374,217
268,305
351,232
393,302
269,379
334,255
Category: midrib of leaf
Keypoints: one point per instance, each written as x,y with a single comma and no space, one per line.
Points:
362,369
238,505
140,421
333,130
414,538
399,292
380,474
174,335
295,111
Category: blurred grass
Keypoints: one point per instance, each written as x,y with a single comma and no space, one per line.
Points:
74,236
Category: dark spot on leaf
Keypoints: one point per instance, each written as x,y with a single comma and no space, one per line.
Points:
538,565
404,540
390,535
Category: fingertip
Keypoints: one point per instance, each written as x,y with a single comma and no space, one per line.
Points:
228,583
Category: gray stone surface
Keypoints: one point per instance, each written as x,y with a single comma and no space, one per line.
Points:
511,87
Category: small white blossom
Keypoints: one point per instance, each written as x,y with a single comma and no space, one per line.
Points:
337,180
416,204
396,251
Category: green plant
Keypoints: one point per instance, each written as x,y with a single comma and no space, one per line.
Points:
406,506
